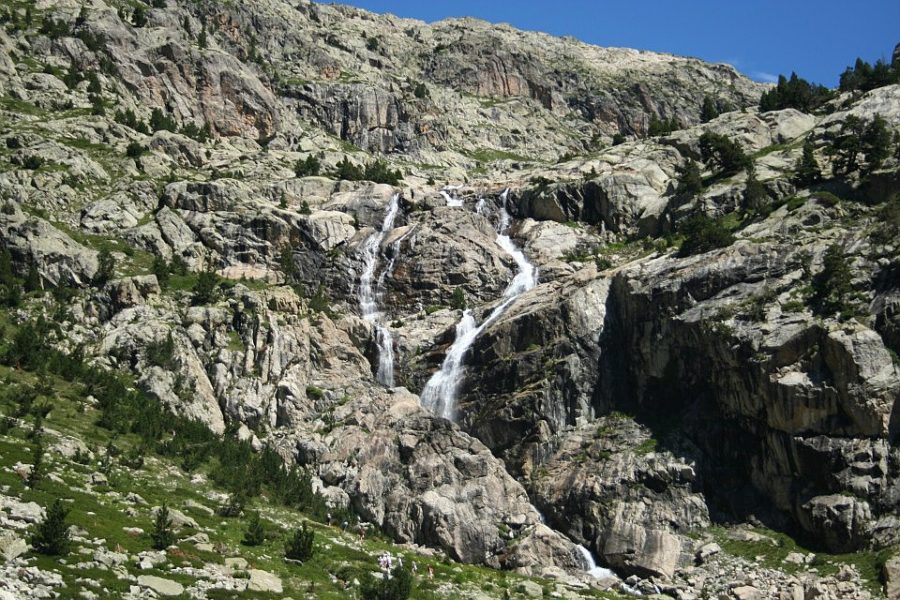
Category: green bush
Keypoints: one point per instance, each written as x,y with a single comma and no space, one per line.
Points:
723,153
703,234
51,537
134,150
106,267
420,91
398,587
206,288
662,126
833,284
307,167
458,299
255,534
300,545
690,181
709,110
160,121
33,162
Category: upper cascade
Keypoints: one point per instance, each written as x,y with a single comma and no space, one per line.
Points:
440,393
370,296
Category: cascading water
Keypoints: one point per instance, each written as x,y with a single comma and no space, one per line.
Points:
451,200
591,567
369,295
439,393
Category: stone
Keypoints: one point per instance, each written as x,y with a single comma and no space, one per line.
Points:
530,589
747,592
891,574
178,519
11,546
263,581
28,512
163,587
236,563
98,479
707,550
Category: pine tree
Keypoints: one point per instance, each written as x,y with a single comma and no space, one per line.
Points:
709,111
807,169
37,460
833,284
756,198
205,290
163,535
256,531
161,270
106,267
33,279
876,143
690,181
286,262
300,545
52,535
307,167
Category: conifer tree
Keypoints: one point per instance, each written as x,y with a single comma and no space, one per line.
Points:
807,170
52,535
299,545
709,111
256,531
163,535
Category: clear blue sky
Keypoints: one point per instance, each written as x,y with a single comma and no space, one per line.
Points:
762,38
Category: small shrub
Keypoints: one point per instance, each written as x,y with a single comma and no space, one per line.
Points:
458,299
134,150
398,587
206,288
106,267
307,167
723,153
33,162
703,234
255,533
300,545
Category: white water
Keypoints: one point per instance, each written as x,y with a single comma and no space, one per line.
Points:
591,567
439,394
369,295
451,200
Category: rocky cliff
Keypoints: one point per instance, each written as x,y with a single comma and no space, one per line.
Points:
180,176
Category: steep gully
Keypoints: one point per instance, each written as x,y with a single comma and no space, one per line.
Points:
439,393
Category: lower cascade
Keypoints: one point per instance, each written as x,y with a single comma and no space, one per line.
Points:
590,566
439,394
370,295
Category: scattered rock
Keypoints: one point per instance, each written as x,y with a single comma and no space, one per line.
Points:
163,587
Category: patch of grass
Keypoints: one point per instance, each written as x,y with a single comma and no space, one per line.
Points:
488,155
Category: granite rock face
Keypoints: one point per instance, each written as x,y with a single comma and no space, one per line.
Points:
629,401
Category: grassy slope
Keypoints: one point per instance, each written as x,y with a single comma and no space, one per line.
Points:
101,512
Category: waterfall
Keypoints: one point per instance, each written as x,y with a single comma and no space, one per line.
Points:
439,393
451,200
369,295
591,567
